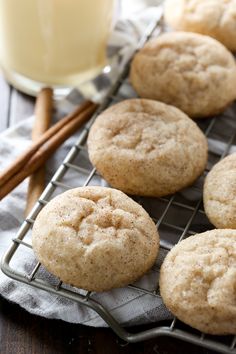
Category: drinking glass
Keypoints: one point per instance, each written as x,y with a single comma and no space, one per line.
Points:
57,43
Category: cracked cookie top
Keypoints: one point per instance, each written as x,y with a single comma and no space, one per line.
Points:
95,238
215,18
198,281
219,193
190,71
146,147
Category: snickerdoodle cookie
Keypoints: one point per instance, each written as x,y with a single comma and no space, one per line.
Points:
219,193
95,238
198,281
193,72
216,18
147,148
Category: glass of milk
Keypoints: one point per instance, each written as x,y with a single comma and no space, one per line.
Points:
57,43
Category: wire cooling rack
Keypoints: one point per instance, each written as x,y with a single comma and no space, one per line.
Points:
191,220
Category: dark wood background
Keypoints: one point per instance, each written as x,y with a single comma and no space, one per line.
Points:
22,333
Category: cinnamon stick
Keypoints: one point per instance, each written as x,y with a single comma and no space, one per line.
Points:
24,158
45,150
42,120
43,112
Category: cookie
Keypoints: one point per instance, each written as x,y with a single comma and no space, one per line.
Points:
193,72
95,238
198,281
215,18
219,193
147,148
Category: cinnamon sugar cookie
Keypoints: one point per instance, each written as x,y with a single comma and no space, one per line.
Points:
193,72
215,18
95,238
219,193
198,281
147,148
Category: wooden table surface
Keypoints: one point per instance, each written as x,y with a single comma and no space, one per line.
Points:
23,333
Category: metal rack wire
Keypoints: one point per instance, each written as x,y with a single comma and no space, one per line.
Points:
190,212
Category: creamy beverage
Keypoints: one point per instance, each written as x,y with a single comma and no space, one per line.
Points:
55,42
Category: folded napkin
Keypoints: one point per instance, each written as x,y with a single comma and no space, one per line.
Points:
128,306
